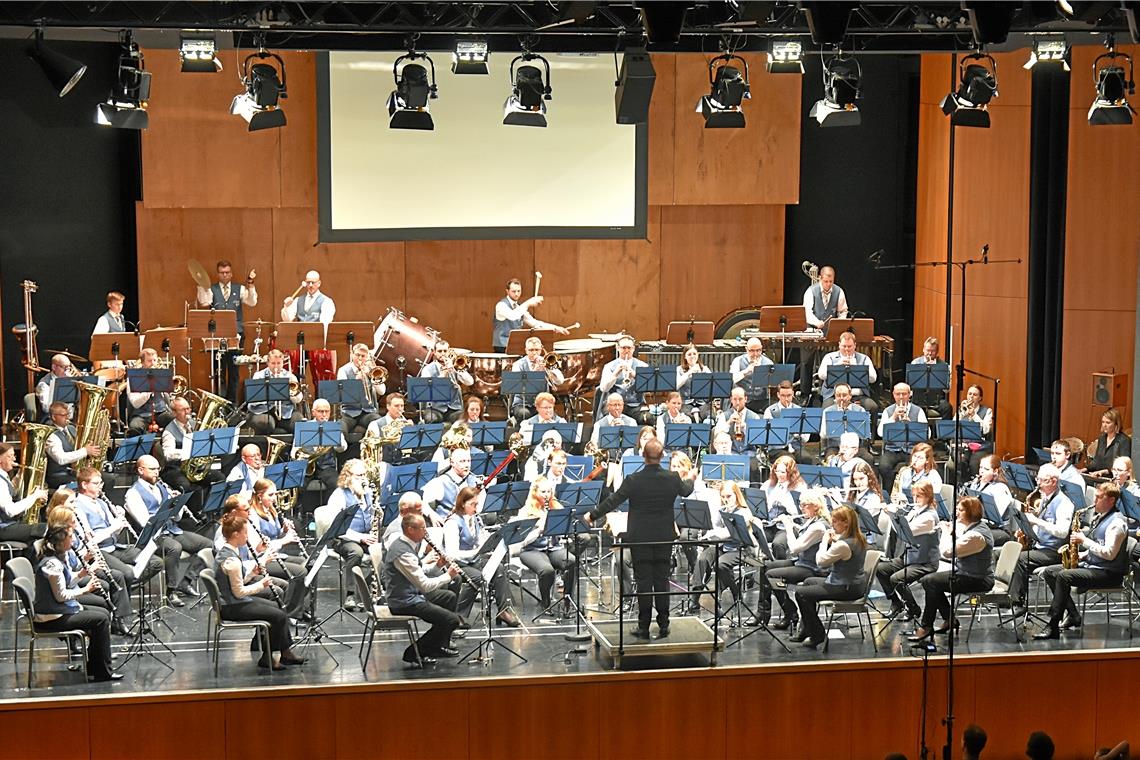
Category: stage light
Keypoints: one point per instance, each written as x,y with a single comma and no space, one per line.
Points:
968,107
842,81
199,53
470,57
524,107
1111,106
728,88
408,103
63,72
1049,51
786,57
264,87
125,107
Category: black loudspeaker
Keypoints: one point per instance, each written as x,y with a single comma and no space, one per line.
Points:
1110,389
634,87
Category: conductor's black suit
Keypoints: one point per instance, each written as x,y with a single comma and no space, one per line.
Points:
651,493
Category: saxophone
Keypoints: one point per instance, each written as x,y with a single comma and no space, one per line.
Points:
1069,552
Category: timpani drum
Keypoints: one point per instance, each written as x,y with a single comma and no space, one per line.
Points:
402,345
487,370
595,355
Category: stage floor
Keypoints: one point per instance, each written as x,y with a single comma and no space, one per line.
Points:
543,645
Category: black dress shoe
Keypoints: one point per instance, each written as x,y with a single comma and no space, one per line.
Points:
446,652
119,628
174,599
292,659
811,642
640,633
798,637
663,633
1052,632
105,679
411,661
752,622
693,609
508,618
1072,622
921,634
783,624
186,589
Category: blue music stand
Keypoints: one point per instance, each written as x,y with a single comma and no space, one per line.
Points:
286,475
902,530
161,518
1043,455
944,430
856,420
215,498
617,437
64,391
757,502
765,434
867,521
133,448
655,379
854,375
506,497
928,377
721,467
803,421
989,508
516,530
585,494
571,432
905,434
1016,520
738,528
430,390
484,463
420,437
337,528
211,443
944,512
347,392
578,467
391,509
561,523
823,477
1128,506
771,375
487,434
681,436
526,383
311,434
150,380
631,463
267,390
411,477
692,513
1075,493
710,385
1018,476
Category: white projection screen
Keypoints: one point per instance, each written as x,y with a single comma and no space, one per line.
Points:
472,177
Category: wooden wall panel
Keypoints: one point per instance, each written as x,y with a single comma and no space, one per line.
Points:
931,199
299,139
692,722
756,165
404,724
662,118
754,727
560,726
1102,239
161,730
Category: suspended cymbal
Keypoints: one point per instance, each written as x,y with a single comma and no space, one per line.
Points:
607,337
198,272
68,354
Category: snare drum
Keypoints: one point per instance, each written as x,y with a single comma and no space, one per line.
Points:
487,370
403,346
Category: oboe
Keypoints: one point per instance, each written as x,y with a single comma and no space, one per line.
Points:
265,572
462,575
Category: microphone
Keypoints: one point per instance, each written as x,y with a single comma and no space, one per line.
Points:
783,322
115,349
166,345
986,253
351,337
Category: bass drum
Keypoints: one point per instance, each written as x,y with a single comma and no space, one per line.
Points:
402,346
732,324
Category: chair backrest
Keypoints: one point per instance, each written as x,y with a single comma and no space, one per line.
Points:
323,517
207,557
1007,561
210,581
376,554
947,493
870,562
20,567
362,590
26,593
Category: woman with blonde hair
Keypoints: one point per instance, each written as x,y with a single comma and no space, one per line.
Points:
541,554
841,553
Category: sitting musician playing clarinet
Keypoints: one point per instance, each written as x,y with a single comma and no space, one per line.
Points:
443,365
734,420
785,403
1103,561
463,534
356,419
364,530
618,376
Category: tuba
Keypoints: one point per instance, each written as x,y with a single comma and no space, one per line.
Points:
210,417
371,453
92,423
33,464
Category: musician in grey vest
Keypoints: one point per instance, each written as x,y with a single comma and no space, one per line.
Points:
1051,523
849,357
143,406
111,321
822,301
914,562
413,591
895,454
223,294
514,314
1103,561
972,553
12,507
60,446
841,552
742,369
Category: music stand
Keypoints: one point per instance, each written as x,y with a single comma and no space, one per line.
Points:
823,477
692,331
765,433
854,375
118,347
348,334
342,393
1016,520
774,319
516,341
692,513
133,448
429,390
710,385
1044,456
483,463
577,467
617,437
864,329
286,475
867,522
64,391
928,377
267,390
989,508
161,339
303,336
905,434
215,498
803,421
412,477
576,495
161,519
856,420
946,430
526,383
487,434
757,502
1075,493
1128,506
311,434
741,533
687,436
771,375
210,443
944,512
655,379
506,497
217,329
571,432
420,437
721,467
631,463
1017,475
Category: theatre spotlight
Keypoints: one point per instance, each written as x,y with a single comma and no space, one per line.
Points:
1049,51
408,103
264,87
199,53
126,105
728,88
525,107
470,57
968,107
842,80
1112,86
63,72
786,57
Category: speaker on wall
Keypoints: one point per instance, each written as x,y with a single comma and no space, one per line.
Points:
634,87
1110,389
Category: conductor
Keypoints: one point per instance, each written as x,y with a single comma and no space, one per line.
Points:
651,493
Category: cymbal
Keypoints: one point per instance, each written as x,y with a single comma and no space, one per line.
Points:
68,354
198,272
607,337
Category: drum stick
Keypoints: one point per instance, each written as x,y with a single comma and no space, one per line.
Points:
537,282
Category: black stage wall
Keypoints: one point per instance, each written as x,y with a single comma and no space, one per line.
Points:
857,196
66,203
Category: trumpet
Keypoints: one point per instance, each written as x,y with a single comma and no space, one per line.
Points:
902,412
626,375
738,426
966,410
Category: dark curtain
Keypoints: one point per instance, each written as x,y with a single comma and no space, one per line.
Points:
1048,169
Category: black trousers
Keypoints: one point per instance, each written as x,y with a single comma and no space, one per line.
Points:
438,608
544,563
791,574
262,609
23,532
499,585
895,578
1026,564
96,621
1061,583
357,424
814,590
123,560
651,573
937,587
889,462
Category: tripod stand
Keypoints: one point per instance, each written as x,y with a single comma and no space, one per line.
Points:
485,648
740,533
143,638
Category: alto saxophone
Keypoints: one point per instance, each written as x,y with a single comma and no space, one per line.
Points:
1069,552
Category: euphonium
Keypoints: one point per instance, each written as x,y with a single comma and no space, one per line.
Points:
1032,505
33,464
92,423
371,453
456,438
274,449
210,417
179,385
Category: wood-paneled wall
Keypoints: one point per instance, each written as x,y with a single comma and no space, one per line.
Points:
715,239
831,711
1102,242
991,205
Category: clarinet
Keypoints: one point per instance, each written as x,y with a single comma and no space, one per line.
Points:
100,561
265,571
262,539
98,584
462,575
